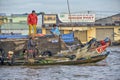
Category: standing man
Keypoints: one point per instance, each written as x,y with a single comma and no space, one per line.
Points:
32,20
31,46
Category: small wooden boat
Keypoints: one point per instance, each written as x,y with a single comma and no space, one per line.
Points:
62,61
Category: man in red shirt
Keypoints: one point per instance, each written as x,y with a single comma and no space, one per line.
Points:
32,20
103,46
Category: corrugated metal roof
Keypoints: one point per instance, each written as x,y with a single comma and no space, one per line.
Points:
18,15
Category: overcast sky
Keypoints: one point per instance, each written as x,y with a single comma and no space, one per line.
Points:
58,6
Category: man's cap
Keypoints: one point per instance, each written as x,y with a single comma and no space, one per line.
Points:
33,11
54,25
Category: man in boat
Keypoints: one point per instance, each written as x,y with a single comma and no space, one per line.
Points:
104,44
11,57
55,31
32,20
31,47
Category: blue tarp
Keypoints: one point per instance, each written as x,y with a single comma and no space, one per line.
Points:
13,36
65,37
68,37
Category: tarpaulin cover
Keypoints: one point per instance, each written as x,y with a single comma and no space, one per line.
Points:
68,37
13,36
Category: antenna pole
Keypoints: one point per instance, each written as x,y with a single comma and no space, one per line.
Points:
69,12
68,7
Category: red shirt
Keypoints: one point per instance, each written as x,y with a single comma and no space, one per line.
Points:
102,42
101,48
32,19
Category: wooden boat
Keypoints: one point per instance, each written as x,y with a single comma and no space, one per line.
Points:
56,61
55,45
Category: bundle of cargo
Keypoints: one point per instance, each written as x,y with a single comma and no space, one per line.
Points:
47,44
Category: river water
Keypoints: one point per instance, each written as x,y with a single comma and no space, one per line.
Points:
108,69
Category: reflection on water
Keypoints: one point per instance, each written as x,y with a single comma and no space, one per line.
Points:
108,69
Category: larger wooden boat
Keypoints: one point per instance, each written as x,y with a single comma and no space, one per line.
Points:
17,46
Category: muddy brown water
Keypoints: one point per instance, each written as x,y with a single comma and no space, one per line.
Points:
108,69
